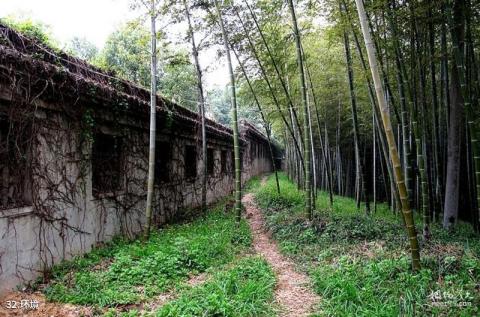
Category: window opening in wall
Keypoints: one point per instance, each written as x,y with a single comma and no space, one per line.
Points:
223,161
210,162
190,162
15,170
163,158
106,163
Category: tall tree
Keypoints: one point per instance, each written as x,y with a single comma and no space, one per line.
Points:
153,12
326,162
385,116
82,48
306,121
265,123
455,128
298,145
267,80
201,106
236,142
360,177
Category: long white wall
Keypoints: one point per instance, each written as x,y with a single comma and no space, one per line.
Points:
66,220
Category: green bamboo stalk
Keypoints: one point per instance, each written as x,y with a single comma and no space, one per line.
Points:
359,165
326,162
406,210
308,198
270,88
236,141
201,106
264,120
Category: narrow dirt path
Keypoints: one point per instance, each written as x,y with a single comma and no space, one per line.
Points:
291,293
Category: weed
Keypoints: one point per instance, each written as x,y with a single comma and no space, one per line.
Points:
128,272
359,263
246,289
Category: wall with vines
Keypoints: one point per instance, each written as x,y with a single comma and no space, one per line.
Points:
74,158
65,217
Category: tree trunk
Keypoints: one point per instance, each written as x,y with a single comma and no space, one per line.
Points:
436,126
153,120
403,88
322,147
407,212
458,100
264,120
462,11
455,129
374,159
236,143
381,134
358,166
277,71
201,107
306,148
265,77
314,172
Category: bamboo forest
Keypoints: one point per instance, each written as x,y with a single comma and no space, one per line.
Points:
240,158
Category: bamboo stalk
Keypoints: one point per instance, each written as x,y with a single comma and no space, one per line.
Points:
153,119
236,141
201,107
264,120
306,127
385,115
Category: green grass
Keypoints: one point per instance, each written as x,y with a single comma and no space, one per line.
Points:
246,289
126,272
360,264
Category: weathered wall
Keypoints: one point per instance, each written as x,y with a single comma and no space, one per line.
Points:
65,219
60,104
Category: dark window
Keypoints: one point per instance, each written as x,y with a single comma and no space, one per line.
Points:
106,163
15,180
223,161
163,156
210,162
190,162
232,162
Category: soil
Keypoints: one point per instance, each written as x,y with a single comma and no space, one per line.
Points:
292,293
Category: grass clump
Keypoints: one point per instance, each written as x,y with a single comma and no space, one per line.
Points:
246,289
130,272
360,263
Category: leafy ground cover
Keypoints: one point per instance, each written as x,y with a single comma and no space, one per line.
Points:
126,272
246,289
242,288
360,264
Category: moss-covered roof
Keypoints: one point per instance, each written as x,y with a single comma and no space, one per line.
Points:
34,71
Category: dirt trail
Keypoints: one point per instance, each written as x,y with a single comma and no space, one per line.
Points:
291,293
